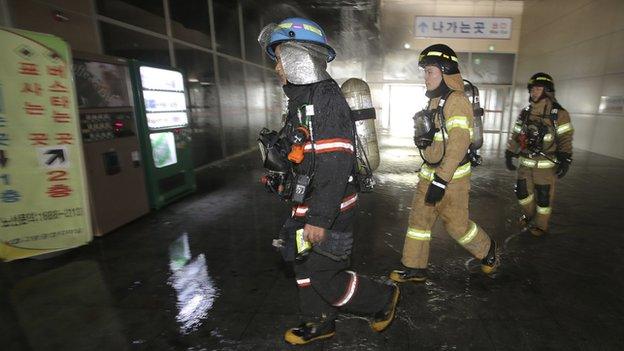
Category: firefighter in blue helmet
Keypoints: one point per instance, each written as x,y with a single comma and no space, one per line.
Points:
311,163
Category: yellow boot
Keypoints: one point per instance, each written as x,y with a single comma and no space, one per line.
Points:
310,331
384,317
409,275
490,263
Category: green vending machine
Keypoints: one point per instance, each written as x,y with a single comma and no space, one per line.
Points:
164,132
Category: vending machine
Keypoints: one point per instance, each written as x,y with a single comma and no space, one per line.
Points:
164,132
116,173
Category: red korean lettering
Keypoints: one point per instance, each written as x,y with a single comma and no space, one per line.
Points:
28,68
33,109
31,88
38,138
61,117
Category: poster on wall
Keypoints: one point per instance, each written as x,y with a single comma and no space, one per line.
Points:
463,27
43,197
100,84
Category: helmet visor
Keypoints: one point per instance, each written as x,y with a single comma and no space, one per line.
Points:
264,38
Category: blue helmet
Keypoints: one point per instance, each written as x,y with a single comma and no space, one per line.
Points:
301,30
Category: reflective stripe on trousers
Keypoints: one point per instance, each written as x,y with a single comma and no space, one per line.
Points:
470,234
527,162
418,234
527,200
427,172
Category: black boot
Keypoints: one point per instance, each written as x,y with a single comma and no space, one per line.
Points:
409,275
383,318
310,331
490,262
537,231
524,221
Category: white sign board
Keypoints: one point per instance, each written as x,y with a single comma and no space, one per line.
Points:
166,120
153,78
164,98
462,27
164,101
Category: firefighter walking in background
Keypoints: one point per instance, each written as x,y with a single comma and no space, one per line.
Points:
312,164
443,134
542,140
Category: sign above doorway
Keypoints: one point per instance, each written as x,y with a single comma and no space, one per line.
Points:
462,27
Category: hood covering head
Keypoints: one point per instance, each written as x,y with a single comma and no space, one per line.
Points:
449,82
303,63
454,81
304,49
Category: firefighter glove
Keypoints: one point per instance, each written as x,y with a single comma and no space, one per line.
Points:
565,159
509,160
436,190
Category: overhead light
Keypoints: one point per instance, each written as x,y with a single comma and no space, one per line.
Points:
205,83
193,80
491,48
407,45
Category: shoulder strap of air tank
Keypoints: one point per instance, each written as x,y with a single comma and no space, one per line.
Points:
525,113
554,111
441,109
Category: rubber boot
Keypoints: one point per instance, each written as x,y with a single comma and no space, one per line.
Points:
310,331
417,275
536,231
490,263
383,318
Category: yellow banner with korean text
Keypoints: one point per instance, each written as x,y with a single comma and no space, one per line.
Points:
43,193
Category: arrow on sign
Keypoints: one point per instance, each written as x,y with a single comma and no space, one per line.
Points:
3,159
423,26
54,155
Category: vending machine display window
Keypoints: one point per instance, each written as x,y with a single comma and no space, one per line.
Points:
164,98
163,149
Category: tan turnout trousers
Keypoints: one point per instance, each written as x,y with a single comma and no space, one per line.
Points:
453,210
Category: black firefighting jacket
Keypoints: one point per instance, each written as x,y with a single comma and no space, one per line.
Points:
329,159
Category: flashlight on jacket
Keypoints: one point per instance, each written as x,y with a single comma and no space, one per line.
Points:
303,246
298,139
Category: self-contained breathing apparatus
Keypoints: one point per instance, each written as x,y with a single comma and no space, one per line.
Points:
281,151
425,129
472,93
533,134
358,96
363,172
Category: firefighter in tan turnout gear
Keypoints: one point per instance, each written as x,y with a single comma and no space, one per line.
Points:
443,134
542,141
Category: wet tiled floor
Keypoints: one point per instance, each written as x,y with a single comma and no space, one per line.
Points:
202,275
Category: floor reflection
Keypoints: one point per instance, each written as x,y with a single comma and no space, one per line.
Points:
195,290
